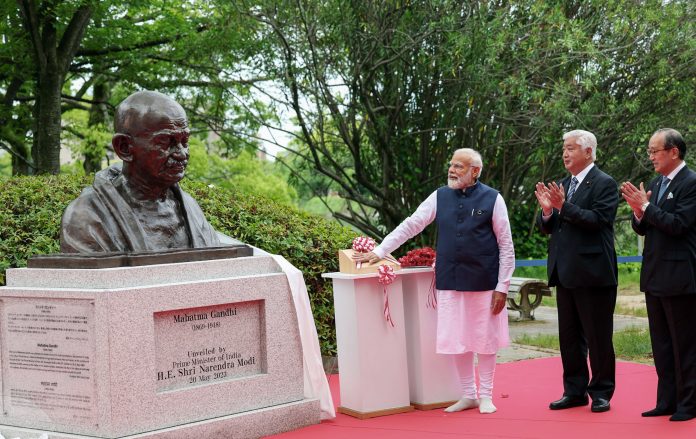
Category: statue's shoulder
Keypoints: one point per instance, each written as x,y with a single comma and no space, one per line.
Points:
82,208
108,175
90,201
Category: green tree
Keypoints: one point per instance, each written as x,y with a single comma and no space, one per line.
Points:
54,43
245,173
5,164
383,92
90,54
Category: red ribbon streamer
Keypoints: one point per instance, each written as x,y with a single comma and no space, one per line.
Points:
432,295
385,276
431,302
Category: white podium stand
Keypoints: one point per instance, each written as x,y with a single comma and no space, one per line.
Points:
432,377
372,363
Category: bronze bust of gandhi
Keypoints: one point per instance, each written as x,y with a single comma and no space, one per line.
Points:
139,207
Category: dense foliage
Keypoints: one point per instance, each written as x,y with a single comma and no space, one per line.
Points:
367,99
384,91
62,55
31,208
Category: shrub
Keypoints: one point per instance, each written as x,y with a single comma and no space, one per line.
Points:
32,208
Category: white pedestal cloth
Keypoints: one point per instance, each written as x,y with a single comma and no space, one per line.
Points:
315,383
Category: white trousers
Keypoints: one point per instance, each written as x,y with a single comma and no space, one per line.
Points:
467,378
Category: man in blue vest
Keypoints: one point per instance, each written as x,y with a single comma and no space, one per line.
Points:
582,267
475,261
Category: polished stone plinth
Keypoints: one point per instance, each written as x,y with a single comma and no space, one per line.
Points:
176,350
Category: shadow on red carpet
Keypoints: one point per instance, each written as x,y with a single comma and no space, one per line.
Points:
523,391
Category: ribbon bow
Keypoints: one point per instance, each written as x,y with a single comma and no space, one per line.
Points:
363,244
385,276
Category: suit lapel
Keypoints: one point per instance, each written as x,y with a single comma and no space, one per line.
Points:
584,187
672,185
566,184
654,187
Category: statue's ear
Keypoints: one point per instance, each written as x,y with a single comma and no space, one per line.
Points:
123,146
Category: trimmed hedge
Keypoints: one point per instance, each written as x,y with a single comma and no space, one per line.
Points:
31,208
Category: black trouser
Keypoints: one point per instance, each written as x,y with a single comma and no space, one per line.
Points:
673,339
586,321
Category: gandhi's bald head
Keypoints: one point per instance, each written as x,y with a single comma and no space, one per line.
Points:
133,113
152,140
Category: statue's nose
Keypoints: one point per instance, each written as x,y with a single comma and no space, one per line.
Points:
181,152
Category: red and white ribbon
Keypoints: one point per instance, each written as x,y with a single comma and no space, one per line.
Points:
385,276
363,244
431,301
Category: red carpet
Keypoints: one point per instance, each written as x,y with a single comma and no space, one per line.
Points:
528,387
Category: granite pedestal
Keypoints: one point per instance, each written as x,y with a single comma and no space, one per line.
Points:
204,349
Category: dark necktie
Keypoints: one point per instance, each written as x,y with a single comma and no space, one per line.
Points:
663,187
571,190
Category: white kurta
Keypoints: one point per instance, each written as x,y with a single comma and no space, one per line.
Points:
465,322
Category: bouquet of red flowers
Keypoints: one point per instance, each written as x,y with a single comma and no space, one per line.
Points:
420,257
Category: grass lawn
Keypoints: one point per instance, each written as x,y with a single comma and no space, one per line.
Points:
631,344
630,299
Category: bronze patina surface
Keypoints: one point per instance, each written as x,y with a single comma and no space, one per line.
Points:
113,260
138,206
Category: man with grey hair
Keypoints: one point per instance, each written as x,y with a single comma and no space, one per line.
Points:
665,213
475,261
578,212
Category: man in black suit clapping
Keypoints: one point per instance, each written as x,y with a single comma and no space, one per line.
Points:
578,213
666,215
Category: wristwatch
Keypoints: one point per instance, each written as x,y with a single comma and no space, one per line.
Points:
644,206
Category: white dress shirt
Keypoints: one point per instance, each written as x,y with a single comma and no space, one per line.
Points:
671,176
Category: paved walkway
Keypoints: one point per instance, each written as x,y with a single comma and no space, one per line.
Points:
546,322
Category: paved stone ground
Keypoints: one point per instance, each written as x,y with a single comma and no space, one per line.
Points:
546,322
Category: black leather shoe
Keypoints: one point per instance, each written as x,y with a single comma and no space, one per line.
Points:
657,411
681,417
567,402
600,405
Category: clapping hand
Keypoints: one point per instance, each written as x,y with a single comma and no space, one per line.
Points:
557,195
550,196
635,197
543,196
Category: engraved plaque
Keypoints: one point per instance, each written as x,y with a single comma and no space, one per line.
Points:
48,360
199,346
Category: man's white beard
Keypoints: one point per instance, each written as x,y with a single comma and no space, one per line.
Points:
461,182
455,183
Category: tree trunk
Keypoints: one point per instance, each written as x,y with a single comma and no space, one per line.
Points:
52,55
98,116
20,165
46,148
